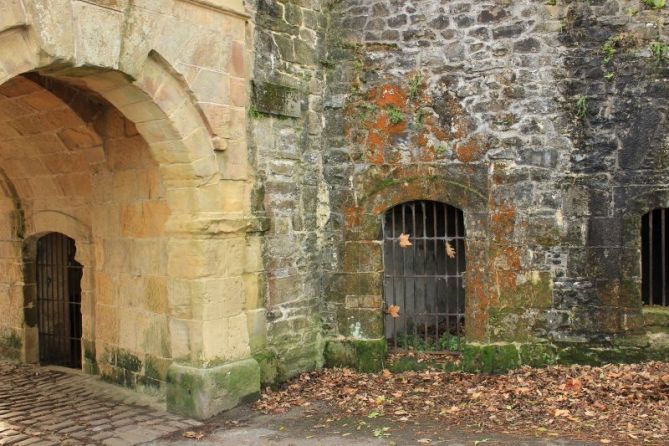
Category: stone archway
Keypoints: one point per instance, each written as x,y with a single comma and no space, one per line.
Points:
186,227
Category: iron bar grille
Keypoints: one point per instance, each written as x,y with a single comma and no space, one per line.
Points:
59,301
425,280
654,249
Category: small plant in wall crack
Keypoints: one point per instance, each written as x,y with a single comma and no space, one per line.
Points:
655,4
659,50
414,85
582,107
395,115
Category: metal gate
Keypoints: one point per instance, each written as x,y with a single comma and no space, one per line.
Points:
654,264
424,263
58,301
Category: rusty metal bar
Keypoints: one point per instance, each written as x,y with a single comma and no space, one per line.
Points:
650,258
663,255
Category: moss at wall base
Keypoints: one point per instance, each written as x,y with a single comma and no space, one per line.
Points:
269,367
363,355
501,357
201,393
10,345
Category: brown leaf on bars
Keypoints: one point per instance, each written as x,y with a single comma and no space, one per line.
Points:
450,252
394,311
404,240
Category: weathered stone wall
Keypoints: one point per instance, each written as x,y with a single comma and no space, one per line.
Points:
155,189
617,169
476,104
285,127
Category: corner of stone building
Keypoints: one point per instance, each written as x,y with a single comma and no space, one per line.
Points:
285,148
204,392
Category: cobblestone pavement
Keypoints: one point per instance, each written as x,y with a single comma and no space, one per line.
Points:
42,406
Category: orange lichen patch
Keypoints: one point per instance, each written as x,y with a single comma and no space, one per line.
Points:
376,142
353,216
381,134
503,219
472,149
388,94
478,303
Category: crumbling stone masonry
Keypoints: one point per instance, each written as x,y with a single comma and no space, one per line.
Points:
543,122
223,168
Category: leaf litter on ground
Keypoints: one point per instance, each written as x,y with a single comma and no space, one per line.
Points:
613,404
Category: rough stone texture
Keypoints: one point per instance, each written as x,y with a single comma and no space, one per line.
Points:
219,219
201,393
286,149
475,104
123,126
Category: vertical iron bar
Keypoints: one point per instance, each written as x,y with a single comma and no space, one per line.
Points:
446,275
394,271
664,258
457,277
414,271
404,279
650,257
436,268
425,259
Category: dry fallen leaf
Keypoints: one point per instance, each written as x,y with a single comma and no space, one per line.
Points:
394,311
193,435
404,240
558,401
450,252
561,413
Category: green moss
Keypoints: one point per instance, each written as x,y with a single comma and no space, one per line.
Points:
363,355
656,316
127,361
490,358
201,393
538,355
408,363
395,115
10,345
268,363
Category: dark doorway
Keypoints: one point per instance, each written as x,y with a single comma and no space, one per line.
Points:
423,279
58,301
654,262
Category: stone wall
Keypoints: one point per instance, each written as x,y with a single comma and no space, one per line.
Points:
145,166
286,126
476,104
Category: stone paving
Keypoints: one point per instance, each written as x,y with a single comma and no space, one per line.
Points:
42,406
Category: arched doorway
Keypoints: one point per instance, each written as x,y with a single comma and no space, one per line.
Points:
424,265
58,279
